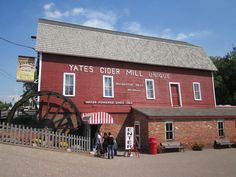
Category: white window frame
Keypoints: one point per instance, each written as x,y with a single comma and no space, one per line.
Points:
173,131
112,87
179,90
153,87
64,84
194,91
218,128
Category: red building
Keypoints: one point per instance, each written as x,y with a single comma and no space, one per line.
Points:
164,88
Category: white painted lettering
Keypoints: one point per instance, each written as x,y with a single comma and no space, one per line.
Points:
117,71
75,68
90,69
71,66
86,69
134,73
102,70
159,75
109,70
129,72
80,67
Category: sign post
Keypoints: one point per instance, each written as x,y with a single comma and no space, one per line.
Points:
129,138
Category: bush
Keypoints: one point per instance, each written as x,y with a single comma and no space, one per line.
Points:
197,147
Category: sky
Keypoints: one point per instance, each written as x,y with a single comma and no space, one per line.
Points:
210,24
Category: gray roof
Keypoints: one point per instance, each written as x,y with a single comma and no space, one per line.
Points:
188,112
75,40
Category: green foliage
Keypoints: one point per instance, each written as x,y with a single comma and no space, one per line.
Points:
5,106
225,78
29,87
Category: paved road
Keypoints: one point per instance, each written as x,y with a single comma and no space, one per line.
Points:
16,161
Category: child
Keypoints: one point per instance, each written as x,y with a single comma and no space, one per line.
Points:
115,147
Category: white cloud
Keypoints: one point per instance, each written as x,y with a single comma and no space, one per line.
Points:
99,24
77,11
108,20
10,98
51,12
185,36
88,17
135,27
56,14
48,6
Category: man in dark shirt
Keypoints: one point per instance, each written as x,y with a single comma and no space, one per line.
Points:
110,146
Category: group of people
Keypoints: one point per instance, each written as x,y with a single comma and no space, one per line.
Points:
105,145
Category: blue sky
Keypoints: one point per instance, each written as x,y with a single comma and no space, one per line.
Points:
210,24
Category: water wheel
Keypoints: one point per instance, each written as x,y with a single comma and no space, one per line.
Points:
53,111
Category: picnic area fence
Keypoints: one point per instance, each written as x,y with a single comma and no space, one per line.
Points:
42,138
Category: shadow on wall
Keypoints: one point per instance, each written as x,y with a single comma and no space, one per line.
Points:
121,134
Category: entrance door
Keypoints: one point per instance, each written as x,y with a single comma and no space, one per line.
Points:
90,131
94,129
175,95
137,133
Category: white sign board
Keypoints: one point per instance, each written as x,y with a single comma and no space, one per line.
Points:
129,138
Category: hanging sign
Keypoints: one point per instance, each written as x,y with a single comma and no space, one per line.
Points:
129,138
25,69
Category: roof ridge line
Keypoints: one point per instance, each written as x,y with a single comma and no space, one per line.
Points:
72,25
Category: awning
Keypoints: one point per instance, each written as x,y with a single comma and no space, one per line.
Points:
97,118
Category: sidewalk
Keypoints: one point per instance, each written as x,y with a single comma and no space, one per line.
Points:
16,161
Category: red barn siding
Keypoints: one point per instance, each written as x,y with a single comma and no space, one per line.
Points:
89,84
89,87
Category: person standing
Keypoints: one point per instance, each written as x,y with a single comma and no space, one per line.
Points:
115,147
110,146
105,143
98,142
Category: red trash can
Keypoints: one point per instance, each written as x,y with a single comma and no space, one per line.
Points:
152,142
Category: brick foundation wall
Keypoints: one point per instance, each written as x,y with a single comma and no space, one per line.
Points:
189,132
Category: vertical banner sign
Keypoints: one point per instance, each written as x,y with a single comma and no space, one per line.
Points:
129,138
25,69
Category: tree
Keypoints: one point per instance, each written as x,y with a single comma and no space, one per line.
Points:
29,87
4,106
225,82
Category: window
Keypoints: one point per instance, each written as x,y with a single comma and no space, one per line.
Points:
220,127
150,91
197,91
108,87
169,128
69,84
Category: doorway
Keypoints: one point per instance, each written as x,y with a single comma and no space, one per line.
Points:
93,130
175,94
137,133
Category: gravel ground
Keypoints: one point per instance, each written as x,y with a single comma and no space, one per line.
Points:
16,161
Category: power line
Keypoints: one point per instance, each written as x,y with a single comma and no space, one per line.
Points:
7,75
14,43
